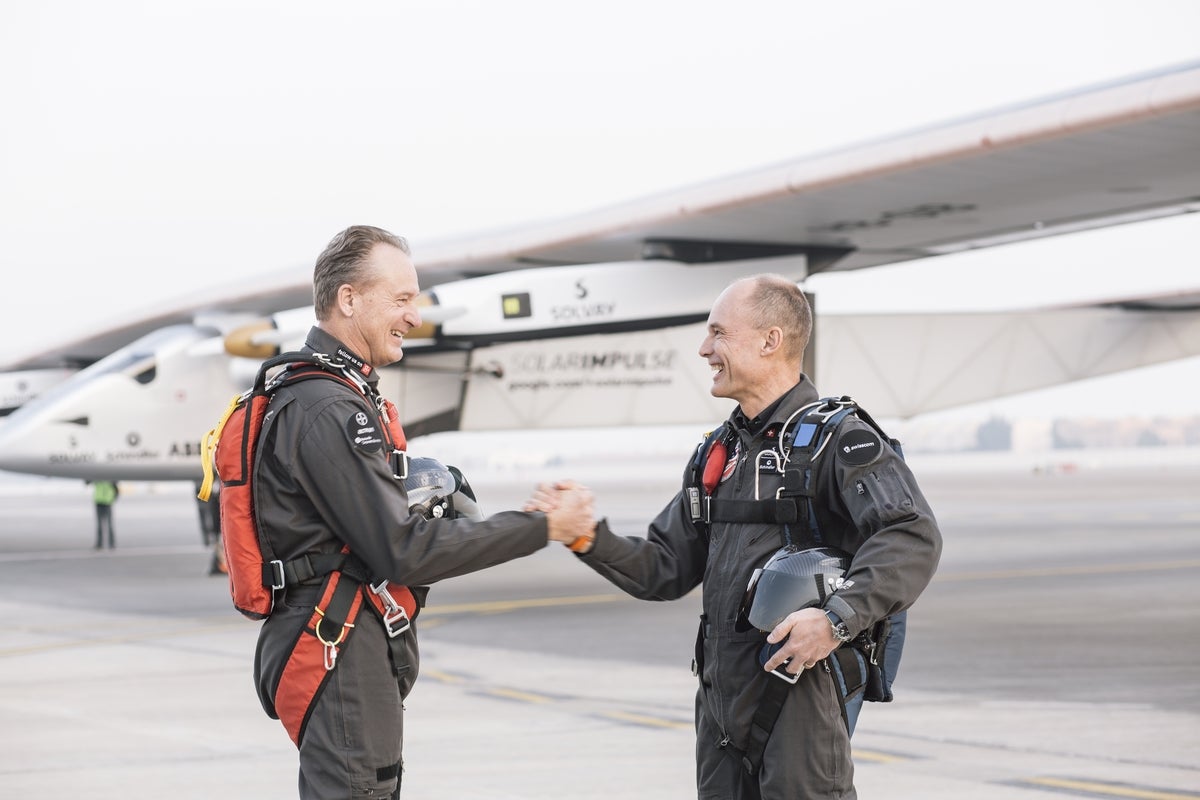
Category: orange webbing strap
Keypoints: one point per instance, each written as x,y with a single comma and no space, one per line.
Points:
394,429
315,655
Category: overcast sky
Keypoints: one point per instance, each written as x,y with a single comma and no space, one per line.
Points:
154,149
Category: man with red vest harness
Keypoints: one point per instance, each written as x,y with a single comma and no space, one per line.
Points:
324,485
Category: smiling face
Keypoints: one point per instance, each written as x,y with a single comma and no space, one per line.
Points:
373,317
733,347
751,364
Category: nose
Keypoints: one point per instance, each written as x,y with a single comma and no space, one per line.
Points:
705,347
414,317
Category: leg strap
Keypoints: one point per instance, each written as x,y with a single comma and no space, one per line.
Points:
315,653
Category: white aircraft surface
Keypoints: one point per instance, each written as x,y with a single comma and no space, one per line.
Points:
18,387
594,320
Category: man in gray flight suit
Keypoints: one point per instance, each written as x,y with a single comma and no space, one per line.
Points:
322,484
866,502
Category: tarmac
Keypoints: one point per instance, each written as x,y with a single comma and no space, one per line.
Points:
125,674
114,706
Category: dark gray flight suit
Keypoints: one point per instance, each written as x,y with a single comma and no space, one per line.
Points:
874,510
315,490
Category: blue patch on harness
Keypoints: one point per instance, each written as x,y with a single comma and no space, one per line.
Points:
805,432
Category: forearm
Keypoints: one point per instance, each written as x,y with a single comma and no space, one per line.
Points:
665,565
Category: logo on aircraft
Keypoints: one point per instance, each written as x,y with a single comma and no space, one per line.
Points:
581,312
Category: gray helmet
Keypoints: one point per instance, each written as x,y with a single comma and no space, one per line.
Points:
436,491
791,579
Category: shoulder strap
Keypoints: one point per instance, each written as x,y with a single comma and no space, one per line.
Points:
705,471
770,704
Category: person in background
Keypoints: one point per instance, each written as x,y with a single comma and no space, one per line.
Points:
104,494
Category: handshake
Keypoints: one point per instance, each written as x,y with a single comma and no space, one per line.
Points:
569,511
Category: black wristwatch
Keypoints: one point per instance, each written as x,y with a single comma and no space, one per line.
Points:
840,631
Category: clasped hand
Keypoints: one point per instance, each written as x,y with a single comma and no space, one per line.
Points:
569,510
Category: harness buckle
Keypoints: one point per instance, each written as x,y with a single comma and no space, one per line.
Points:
395,619
399,461
278,579
694,504
708,509
764,457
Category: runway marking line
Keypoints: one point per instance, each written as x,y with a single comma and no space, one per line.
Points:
500,606
1105,789
877,757
645,721
515,694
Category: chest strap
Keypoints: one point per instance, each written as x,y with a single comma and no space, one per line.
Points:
801,441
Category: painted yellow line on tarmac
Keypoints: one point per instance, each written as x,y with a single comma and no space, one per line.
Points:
1045,572
500,606
1111,789
877,757
513,694
442,677
651,722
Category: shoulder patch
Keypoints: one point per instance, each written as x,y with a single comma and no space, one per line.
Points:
363,431
858,447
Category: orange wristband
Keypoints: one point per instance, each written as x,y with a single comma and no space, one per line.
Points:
582,544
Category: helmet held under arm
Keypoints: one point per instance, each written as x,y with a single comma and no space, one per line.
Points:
791,579
438,491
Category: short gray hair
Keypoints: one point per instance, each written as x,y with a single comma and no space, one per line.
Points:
778,301
343,260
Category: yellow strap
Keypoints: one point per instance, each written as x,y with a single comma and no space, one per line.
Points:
208,446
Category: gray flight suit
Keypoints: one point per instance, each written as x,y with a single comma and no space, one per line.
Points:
874,510
315,490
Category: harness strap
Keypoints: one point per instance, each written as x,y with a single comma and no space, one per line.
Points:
783,510
303,568
770,705
393,622
311,661
315,653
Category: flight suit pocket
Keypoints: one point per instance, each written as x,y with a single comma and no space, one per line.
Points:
888,494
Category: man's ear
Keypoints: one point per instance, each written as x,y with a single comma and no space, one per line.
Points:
346,299
772,341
